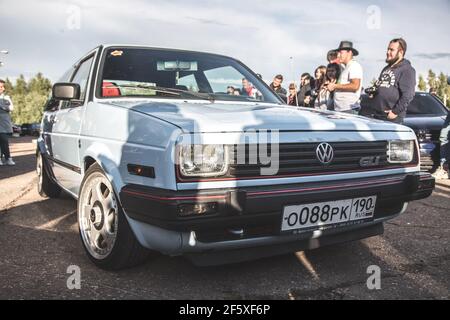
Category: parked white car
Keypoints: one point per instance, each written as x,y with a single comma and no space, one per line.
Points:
160,157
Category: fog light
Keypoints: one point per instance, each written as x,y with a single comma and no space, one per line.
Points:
139,170
191,209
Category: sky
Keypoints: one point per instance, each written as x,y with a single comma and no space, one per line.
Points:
288,37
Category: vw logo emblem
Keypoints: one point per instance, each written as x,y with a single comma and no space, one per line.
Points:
324,153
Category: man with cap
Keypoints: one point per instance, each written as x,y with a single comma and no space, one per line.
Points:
348,88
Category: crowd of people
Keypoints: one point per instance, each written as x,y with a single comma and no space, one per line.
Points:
338,87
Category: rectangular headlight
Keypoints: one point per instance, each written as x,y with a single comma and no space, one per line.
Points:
401,151
203,160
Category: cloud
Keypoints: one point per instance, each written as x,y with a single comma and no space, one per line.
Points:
208,21
261,34
433,56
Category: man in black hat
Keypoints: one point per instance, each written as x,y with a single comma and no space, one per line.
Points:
395,88
348,88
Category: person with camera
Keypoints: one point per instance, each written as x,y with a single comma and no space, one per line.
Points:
347,90
6,107
389,97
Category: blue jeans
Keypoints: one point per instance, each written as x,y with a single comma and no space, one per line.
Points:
4,145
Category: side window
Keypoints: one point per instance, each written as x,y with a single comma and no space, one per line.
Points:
66,76
82,76
221,78
188,83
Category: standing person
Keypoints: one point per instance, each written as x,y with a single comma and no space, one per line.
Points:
395,88
276,86
332,57
324,100
248,90
305,90
292,97
6,107
445,146
347,90
319,75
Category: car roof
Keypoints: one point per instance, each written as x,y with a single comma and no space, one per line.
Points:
143,46
121,45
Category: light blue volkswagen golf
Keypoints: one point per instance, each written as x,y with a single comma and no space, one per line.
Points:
190,153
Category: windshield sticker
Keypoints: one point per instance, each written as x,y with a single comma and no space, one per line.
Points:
117,53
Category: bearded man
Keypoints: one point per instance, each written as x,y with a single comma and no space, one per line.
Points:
395,88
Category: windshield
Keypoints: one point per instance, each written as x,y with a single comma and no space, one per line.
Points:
425,104
159,73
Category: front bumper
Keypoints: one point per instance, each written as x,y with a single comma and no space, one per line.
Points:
429,156
250,217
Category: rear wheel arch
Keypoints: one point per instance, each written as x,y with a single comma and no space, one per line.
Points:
46,185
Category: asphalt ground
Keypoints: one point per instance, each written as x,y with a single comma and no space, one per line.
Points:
39,241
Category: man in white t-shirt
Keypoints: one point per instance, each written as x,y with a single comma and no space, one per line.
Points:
348,88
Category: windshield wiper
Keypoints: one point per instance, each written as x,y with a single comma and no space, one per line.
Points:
203,96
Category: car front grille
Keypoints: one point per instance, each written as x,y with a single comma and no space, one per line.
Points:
430,136
298,159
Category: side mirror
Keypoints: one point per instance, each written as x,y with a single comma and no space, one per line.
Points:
448,80
66,91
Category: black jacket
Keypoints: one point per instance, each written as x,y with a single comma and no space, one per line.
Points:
279,90
302,93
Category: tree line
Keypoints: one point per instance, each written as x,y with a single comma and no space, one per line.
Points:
437,84
29,97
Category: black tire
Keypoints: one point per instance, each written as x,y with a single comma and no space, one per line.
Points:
126,251
46,186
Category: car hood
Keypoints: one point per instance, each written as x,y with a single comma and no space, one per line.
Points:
197,117
429,122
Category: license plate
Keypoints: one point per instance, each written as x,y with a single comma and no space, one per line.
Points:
327,213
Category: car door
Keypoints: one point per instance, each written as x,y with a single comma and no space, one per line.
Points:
50,110
66,130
